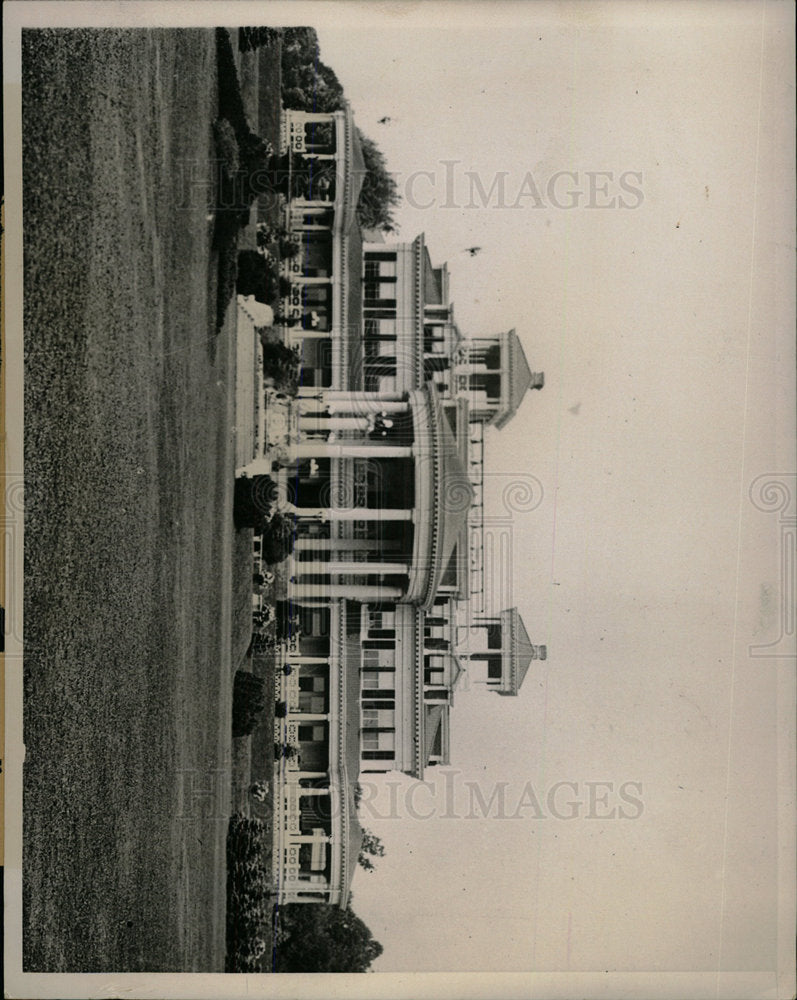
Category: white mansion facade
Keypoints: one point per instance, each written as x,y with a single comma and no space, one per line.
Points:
382,467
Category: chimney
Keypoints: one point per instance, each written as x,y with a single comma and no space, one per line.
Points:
537,380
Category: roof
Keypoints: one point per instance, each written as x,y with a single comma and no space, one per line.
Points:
456,669
350,760
352,342
432,292
522,649
443,496
455,492
432,721
520,378
355,162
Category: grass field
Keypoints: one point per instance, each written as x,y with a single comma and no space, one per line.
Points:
131,558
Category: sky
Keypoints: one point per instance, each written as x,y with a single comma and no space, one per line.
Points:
652,285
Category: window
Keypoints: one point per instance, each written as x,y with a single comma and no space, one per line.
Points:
378,680
434,672
387,268
313,703
307,683
376,740
494,668
378,718
379,657
381,290
381,619
494,635
379,699
376,269
311,734
437,694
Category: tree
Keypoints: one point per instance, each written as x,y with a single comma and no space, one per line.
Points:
379,195
321,938
307,83
372,847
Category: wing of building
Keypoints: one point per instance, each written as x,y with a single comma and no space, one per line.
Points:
384,475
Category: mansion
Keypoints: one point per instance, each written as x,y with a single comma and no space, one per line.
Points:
381,461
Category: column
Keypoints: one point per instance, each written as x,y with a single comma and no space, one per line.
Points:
311,543
323,407
350,513
354,592
353,449
478,369
313,567
353,396
320,422
296,333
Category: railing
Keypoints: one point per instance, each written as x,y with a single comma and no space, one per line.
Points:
476,517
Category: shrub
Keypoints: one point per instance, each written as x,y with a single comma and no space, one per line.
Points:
231,105
249,906
253,272
261,644
226,147
256,153
279,538
238,190
287,751
265,235
247,702
287,621
288,248
281,710
252,38
254,501
282,365
227,243
258,275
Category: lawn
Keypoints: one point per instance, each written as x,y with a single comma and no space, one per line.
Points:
131,560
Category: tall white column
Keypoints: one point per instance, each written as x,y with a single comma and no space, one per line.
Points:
300,279
352,591
352,395
353,449
313,567
310,543
323,407
319,422
350,513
